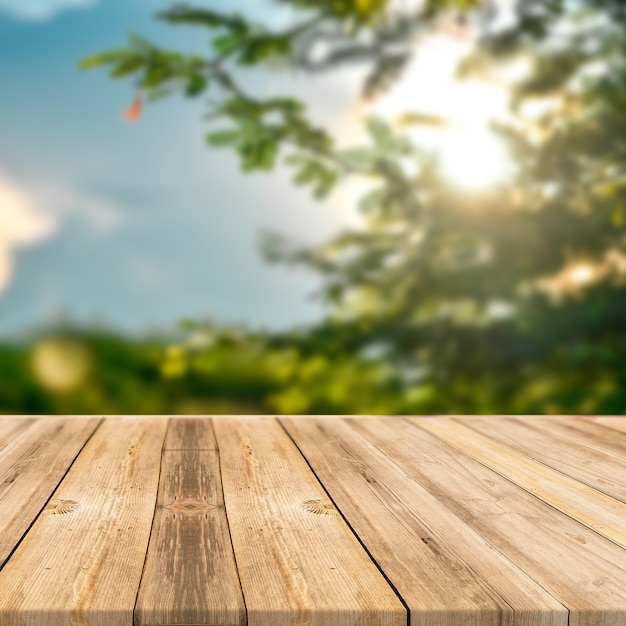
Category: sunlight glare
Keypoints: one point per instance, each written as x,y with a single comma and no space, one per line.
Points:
581,274
574,277
470,153
473,159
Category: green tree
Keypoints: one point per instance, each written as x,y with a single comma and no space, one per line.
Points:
505,301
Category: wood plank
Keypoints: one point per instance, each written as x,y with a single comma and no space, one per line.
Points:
590,456
81,561
586,431
616,423
11,427
34,456
446,572
581,569
298,561
583,503
190,433
190,575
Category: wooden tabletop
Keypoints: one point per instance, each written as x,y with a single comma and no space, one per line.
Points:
312,521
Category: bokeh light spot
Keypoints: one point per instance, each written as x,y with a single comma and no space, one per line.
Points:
60,365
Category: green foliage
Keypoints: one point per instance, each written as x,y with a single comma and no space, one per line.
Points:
314,171
157,68
249,45
505,301
354,13
258,140
451,286
199,370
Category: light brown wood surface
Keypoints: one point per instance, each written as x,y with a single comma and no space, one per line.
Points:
34,457
579,567
81,562
585,451
312,521
190,575
298,561
583,503
437,563
616,423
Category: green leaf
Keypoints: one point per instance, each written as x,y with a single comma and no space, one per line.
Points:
95,60
156,74
263,47
128,66
140,43
258,151
379,130
327,181
224,137
358,158
305,175
314,171
159,93
195,85
202,17
269,152
226,44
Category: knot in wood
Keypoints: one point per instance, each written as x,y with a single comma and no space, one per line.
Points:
319,507
61,507
190,506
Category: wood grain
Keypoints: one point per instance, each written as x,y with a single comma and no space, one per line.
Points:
34,456
475,521
616,423
581,569
190,434
81,562
298,561
591,456
445,571
600,512
190,575
590,432
11,427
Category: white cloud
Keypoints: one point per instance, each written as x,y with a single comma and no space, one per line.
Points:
21,224
40,10
29,217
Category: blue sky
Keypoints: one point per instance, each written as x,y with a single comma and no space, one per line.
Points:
139,225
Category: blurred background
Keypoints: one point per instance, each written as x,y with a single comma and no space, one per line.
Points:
296,206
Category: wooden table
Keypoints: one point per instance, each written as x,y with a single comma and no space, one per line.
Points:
311,521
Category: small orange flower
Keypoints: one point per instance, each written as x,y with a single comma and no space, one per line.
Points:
133,112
